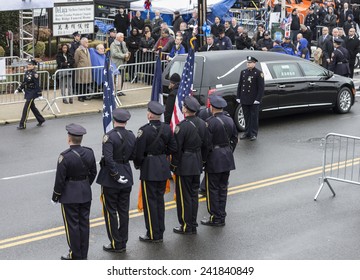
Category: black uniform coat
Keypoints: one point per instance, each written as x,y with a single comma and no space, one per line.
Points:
150,155
74,175
169,106
340,62
192,146
73,47
116,155
251,86
222,140
30,85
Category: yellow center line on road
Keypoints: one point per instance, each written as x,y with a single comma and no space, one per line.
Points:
53,232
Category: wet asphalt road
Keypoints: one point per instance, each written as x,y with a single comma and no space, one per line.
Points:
271,211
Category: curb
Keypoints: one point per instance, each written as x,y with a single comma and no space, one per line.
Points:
93,111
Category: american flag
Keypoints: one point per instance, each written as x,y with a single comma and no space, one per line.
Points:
108,97
184,90
156,91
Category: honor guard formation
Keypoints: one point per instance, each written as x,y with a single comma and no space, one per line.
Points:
195,146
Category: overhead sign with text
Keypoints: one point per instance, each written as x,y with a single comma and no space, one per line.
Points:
72,16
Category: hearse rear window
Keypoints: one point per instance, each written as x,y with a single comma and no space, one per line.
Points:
178,66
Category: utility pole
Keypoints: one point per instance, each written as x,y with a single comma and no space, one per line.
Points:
202,9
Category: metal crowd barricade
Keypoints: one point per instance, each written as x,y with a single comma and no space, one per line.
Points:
341,161
84,82
10,82
100,35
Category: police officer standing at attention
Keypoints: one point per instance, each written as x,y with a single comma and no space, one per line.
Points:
170,100
75,44
339,63
76,171
116,180
222,140
154,141
32,91
192,146
249,94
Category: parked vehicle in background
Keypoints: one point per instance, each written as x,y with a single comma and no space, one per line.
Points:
292,84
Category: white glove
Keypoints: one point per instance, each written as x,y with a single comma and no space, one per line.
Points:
122,180
256,102
53,202
41,97
238,100
16,92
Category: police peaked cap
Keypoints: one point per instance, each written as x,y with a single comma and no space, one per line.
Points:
251,59
191,103
75,129
338,41
76,33
156,108
217,101
121,115
175,78
112,30
31,61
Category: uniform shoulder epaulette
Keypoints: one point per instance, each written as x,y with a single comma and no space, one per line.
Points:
66,151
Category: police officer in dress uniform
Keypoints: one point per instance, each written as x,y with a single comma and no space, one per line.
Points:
75,43
116,180
76,171
249,93
154,141
32,91
340,59
112,35
222,140
192,146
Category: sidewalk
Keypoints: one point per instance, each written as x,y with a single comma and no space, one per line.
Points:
12,113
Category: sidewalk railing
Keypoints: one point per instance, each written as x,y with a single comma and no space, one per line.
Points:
10,82
341,161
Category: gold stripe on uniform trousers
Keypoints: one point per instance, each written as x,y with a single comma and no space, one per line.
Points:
27,112
182,204
66,228
208,194
148,209
108,217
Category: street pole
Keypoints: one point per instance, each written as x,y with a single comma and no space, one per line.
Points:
202,9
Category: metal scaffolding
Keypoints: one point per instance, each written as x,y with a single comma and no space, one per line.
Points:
26,32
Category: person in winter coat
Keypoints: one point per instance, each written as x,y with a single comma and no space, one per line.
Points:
176,22
302,49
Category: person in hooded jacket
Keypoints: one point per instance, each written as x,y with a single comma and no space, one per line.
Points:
350,23
302,49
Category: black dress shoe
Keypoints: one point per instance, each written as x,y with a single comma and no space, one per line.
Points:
81,99
40,124
244,136
66,257
71,101
253,138
109,248
65,101
20,127
145,238
120,93
208,222
180,230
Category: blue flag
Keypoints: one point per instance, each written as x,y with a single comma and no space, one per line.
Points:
156,91
108,97
185,88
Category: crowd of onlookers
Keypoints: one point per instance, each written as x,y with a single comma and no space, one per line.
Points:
331,28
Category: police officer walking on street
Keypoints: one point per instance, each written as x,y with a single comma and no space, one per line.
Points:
32,91
76,171
192,146
249,94
116,180
222,140
154,142
339,63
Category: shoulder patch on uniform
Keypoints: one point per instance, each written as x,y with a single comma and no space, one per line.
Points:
61,157
177,129
140,132
36,75
105,138
262,75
